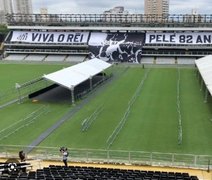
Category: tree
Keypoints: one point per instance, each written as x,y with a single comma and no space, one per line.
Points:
3,29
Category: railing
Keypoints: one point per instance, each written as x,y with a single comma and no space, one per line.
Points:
113,156
167,53
46,51
9,43
125,20
21,91
188,46
24,122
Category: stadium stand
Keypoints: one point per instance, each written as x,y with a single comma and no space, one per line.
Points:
58,58
88,23
15,57
90,173
75,58
186,61
32,57
165,60
147,60
49,51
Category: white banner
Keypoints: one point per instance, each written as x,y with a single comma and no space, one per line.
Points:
50,37
97,39
179,38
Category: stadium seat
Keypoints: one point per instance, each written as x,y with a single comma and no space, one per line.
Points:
147,60
77,172
35,57
15,57
186,61
165,60
54,58
75,58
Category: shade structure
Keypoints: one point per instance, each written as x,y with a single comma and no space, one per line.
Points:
204,66
75,75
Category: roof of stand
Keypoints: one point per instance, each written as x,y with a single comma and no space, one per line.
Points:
75,75
204,66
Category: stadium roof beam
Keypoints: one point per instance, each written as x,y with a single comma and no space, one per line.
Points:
72,76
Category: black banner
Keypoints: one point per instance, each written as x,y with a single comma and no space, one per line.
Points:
117,47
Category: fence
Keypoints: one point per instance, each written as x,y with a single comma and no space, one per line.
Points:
21,91
89,120
180,128
8,95
122,122
124,20
114,156
22,123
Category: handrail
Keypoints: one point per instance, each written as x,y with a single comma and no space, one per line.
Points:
113,156
107,19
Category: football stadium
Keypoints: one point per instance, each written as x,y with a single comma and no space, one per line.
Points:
125,96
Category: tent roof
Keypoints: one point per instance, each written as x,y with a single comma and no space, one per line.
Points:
204,66
74,75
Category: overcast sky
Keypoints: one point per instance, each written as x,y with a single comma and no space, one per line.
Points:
133,6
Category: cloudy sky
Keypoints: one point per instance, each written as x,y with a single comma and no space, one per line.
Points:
133,6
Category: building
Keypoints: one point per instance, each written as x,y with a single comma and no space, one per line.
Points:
156,7
22,6
115,10
116,14
5,8
43,10
193,17
14,7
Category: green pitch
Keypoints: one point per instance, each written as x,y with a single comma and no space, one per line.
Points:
152,122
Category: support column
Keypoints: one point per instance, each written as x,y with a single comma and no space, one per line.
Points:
72,95
91,84
46,83
198,75
103,73
206,95
201,84
17,86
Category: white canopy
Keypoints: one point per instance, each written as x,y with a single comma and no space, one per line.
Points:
74,75
204,66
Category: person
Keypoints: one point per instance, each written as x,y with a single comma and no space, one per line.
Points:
22,156
65,154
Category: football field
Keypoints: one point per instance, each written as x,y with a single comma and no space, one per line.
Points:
151,109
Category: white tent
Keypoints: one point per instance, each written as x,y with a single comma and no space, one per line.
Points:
74,75
204,66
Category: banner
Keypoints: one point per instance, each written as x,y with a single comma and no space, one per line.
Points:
50,37
124,47
179,38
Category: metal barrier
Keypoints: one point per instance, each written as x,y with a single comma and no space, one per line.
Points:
124,20
22,123
114,157
122,122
